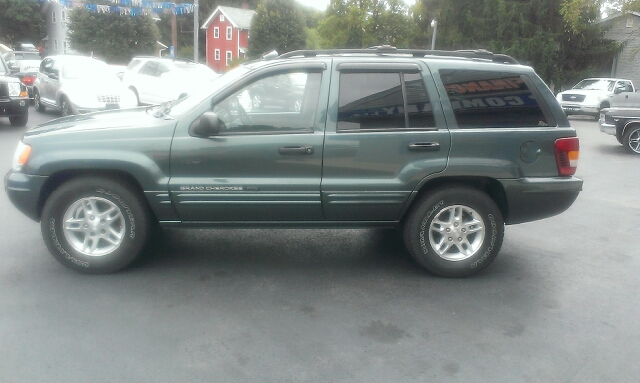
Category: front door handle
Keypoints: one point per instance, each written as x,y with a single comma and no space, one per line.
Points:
424,146
296,150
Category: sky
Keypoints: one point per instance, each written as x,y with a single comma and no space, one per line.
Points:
322,4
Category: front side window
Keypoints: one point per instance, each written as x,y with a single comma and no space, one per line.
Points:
216,32
217,55
281,103
229,57
487,99
377,101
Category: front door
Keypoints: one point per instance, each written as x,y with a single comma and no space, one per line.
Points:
264,166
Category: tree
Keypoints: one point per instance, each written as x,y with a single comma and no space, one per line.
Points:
112,37
279,25
20,21
365,23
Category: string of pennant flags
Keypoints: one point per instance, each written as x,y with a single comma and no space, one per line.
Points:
129,7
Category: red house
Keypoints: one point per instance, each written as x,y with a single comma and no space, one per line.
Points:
227,36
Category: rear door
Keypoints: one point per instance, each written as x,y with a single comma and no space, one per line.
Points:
386,133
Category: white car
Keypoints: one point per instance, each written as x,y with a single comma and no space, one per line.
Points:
591,95
77,84
156,80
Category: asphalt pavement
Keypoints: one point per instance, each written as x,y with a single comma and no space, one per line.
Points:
559,304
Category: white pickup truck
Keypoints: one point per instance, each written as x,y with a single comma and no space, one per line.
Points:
591,95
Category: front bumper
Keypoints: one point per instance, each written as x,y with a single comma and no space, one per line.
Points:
14,107
608,128
530,199
24,192
570,108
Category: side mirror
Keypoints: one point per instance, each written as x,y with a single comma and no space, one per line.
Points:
206,125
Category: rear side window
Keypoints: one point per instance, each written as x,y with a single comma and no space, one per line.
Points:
383,101
487,99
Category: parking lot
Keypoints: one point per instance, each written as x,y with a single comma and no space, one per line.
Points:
559,304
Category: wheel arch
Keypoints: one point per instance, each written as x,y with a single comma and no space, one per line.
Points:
490,186
57,179
629,124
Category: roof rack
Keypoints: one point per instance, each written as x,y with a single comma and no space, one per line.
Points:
390,50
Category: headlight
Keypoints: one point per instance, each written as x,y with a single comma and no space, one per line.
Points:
20,157
14,89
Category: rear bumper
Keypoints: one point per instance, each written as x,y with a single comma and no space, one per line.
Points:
530,199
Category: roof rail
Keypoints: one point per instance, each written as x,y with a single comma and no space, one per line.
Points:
390,50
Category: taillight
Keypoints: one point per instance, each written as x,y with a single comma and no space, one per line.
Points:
28,80
567,154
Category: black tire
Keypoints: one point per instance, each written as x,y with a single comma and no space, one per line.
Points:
20,120
631,139
37,103
90,206
65,107
473,243
135,91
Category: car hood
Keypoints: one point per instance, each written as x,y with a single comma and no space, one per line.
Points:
114,119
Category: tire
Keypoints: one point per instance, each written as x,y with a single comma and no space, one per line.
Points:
65,107
433,221
37,103
85,208
20,120
631,139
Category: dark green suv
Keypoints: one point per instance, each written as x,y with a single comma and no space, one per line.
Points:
447,146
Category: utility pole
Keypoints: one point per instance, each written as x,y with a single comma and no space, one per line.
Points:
195,31
174,35
434,25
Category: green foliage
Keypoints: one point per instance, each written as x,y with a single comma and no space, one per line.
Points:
112,37
557,37
21,21
365,23
279,25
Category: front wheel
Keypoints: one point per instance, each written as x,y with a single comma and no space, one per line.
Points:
454,231
95,225
631,139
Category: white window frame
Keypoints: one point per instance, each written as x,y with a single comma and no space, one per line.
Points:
216,32
64,46
55,45
229,57
216,55
221,17
229,33
53,17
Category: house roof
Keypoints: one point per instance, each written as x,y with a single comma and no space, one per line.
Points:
238,17
615,16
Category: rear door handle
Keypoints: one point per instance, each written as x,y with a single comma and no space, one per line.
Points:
424,146
296,150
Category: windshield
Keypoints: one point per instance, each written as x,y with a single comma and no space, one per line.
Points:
595,84
191,101
85,69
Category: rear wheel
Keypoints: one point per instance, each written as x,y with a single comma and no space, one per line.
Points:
20,120
631,139
37,103
95,225
454,231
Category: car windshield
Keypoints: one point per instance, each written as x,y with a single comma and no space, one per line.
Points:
179,107
85,69
27,56
595,84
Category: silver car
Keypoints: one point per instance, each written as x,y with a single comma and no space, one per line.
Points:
77,84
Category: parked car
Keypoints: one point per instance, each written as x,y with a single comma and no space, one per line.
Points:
77,84
446,146
591,95
14,98
624,124
156,80
25,66
284,91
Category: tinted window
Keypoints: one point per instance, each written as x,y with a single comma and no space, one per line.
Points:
492,99
376,101
272,105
